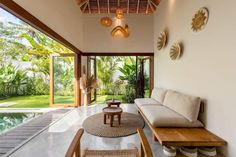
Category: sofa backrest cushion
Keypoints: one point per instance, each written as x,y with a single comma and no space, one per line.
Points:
186,105
158,94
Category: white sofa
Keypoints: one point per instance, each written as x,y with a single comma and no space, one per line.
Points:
169,108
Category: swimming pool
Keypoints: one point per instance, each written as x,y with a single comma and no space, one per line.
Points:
11,120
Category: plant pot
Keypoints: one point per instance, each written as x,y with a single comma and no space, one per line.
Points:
169,151
189,151
209,151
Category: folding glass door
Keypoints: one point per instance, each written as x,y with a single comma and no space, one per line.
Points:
62,80
144,77
92,72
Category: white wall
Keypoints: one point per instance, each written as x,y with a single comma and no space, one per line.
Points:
98,38
63,16
207,67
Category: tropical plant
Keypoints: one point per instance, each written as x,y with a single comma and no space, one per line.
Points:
129,74
22,44
106,67
12,80
63,76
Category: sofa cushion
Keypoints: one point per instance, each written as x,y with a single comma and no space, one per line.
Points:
161,116
186,105
146,101
158,94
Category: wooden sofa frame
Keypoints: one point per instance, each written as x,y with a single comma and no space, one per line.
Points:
184,136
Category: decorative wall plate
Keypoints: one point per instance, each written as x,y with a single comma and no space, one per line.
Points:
161,43
200,19
175,51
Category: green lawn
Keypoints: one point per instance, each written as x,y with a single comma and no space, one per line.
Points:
64,99
38,101
42,101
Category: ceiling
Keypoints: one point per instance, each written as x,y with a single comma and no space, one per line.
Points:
110,6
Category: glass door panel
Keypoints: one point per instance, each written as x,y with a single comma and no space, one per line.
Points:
146,73
143,77
92,71
63,80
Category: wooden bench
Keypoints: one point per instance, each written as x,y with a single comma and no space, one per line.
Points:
184,136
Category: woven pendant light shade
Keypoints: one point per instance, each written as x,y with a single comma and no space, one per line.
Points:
106,21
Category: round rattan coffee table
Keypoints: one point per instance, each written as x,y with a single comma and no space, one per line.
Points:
110,112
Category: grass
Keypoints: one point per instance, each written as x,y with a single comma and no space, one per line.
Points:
42,101
35,101
64,99
39,101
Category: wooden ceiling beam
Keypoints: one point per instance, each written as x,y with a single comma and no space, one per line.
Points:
138,6
85,6
147,6
151,6
127,10
98,4
108,6
81,3
89,7
154,4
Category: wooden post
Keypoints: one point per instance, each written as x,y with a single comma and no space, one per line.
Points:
151,73
51,82
77,79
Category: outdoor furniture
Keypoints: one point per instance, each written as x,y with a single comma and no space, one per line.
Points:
111,112
113,102
145,149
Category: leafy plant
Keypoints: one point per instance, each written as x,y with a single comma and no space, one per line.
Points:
12,80
21,44
106,67
129,74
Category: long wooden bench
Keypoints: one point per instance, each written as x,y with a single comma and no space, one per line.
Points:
184,136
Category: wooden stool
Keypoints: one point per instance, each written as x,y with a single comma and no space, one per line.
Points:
110,112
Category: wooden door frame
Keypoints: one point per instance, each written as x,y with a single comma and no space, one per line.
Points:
151,71
77,74
89,58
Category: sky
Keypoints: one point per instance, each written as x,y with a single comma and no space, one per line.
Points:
7,17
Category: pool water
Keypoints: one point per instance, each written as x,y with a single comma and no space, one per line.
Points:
11,120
